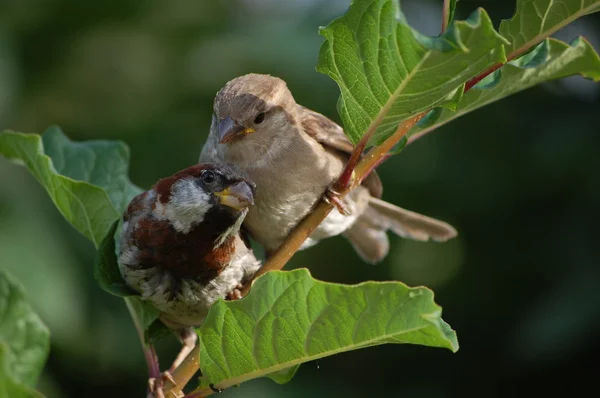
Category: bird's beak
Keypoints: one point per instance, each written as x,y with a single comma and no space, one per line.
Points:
229,130
237,196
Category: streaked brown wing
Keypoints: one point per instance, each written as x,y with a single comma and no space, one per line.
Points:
330,134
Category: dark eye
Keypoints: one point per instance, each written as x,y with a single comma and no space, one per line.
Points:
259,118
208,177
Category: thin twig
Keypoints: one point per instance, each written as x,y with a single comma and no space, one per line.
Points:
344,181
380,152
294,240
445,13
468,86
373,167
183,374
149,353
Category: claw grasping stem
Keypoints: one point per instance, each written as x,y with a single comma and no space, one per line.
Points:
184,373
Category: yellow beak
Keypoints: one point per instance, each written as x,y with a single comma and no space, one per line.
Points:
237,196
228,130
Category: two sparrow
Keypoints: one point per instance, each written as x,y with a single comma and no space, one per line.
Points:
182,246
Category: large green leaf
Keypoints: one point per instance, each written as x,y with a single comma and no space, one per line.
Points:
386,71
289,318
552,59
89,184
9,388
534,20
102,163
74,175
24,342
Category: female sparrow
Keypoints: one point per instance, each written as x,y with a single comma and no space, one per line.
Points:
181,248
294,155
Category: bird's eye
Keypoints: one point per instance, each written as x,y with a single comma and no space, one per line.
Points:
259,118
208,177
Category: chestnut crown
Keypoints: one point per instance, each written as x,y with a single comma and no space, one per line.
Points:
216,194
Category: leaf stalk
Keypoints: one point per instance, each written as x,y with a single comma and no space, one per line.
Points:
445,14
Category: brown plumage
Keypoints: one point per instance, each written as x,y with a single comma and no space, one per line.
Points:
294,155
181,247
180,236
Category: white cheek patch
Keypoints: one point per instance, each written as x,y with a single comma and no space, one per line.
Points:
187,207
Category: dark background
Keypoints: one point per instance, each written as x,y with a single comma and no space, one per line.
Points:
518,179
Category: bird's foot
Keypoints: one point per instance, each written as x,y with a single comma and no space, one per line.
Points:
156,384
215,389
333,198
236,293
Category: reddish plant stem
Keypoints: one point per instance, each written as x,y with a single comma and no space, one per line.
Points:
345,178
445,13
478,78
469,84
294,240
376,165
151,361
376,156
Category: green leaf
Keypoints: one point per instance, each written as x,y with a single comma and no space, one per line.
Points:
8,386
534,20
102,163
74,175
552,59
144,315
156,331
88,183
285,375
290,318
24,341
387,72
106,269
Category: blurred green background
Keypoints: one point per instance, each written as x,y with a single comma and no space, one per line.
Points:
518,179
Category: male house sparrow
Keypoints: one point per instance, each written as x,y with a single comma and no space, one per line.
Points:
181,246
294,155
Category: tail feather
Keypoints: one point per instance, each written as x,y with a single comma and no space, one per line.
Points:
370,243
368,234
411,225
